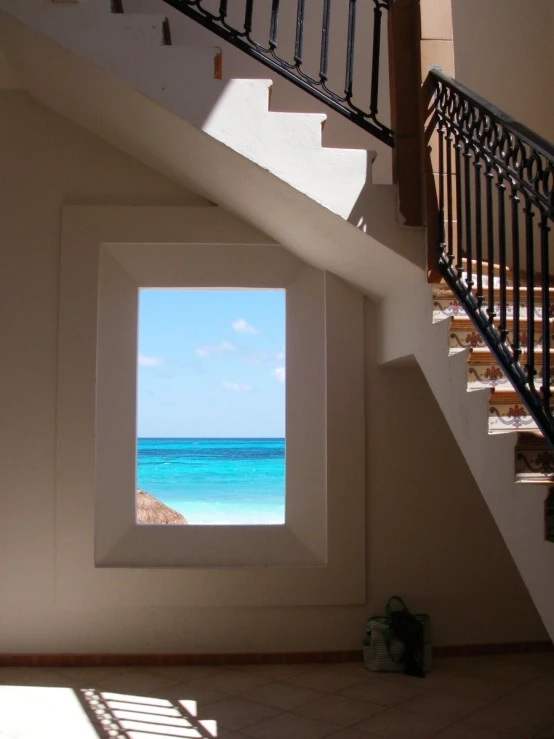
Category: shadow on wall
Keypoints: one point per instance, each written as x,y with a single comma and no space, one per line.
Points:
422,499
285,96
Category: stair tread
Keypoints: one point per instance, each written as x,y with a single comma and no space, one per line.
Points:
508,270
496,267
446,291
507,392
534,479
484,352
463,320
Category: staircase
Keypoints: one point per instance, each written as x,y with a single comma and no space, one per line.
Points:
219,139
534,457
119,76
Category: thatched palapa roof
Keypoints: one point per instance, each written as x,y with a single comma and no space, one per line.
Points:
152,510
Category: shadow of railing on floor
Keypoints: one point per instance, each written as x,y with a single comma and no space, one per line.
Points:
121,716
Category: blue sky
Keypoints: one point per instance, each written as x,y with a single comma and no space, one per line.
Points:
211,363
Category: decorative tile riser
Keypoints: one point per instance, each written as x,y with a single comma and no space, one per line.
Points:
447,307
443,290
486,375
507,412
491,375
510,417
469,338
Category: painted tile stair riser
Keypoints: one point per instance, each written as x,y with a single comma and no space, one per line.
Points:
534,459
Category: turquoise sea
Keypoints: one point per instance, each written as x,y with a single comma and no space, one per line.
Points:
216,481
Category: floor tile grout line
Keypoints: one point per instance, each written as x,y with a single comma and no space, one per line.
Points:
541,672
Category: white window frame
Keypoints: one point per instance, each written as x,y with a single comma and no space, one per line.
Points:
318,555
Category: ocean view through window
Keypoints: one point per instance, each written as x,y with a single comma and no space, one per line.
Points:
211,379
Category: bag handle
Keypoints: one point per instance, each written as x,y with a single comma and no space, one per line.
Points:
388,609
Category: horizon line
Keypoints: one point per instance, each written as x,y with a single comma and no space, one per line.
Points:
211,437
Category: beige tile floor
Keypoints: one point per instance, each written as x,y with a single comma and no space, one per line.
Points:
464,698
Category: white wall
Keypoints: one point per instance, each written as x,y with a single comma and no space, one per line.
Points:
503,50
430,536
338,132
423,501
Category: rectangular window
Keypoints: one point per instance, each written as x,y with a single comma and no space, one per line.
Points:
211,406
324,528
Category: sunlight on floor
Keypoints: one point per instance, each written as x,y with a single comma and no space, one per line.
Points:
68,713
44,712
147,718
492,697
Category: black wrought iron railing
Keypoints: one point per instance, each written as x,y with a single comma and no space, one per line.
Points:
245,24
495,215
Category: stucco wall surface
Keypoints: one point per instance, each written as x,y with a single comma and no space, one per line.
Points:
503,50
429,534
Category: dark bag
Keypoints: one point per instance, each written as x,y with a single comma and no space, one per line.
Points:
409,631
399,641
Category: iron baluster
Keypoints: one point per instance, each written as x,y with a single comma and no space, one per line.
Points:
325,25
223,9
377,18
441,214
545,306
467,183
274,24
350,49
530,266
491,312
459,221
478,165
299,33
248,16
502,255
516,344
449,199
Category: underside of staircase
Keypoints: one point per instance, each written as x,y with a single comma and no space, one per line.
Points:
166,106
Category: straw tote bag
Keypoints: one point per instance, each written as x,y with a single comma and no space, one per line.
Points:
383,651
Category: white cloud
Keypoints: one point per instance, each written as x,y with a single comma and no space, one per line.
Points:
145,361
243,327
236,387
281,356
279,373
211,350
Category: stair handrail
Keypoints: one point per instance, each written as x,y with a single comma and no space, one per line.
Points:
481,149
291,69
